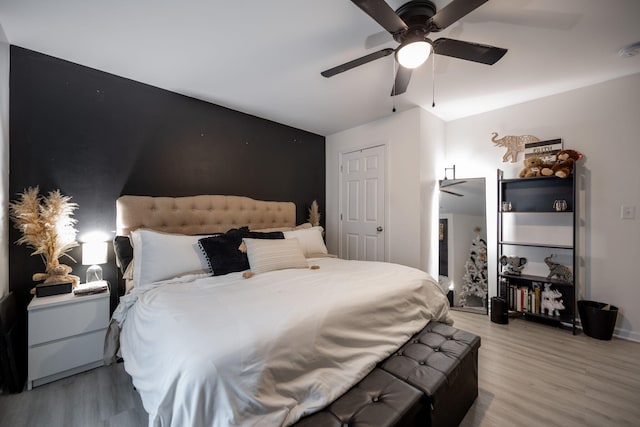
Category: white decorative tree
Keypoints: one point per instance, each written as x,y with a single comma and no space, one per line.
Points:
475,276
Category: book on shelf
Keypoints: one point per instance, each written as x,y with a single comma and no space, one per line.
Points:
525,299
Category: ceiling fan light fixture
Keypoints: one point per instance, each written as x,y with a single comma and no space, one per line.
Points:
413,53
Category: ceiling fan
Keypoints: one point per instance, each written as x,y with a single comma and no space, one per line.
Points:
409,26
446,182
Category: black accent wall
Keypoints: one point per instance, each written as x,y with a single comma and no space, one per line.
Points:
96,136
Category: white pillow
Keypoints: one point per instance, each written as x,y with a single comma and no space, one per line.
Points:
160,256
310,239
277,254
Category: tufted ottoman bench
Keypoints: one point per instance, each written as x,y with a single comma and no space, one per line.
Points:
442,362
431,381
379,400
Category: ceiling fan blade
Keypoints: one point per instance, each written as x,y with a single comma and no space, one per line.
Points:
382,13
452,12
450,182
357,62
377,39
452,193
475,52
402,80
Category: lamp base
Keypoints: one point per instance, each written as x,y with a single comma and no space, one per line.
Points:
94,274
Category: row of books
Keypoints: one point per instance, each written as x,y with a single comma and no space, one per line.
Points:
524,299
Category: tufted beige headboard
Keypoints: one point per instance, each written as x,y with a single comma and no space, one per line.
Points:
200,214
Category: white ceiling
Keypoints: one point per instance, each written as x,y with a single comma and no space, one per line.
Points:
265,57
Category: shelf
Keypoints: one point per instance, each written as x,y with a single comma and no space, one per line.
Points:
562,318
530,222
531,278
537,212
536,245
536,194
534,178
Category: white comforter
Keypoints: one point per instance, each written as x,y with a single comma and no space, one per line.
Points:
225,351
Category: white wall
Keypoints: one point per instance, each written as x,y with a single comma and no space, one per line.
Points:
431,170
603,122
408,177
4,162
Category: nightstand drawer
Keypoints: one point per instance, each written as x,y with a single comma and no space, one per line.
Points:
61,355
50,323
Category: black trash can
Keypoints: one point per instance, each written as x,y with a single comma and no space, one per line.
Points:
450,297
499,312
598,319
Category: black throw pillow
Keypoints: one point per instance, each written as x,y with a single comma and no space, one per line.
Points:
123,250
222,251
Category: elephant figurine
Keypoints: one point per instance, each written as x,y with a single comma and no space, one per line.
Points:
561,272
513,265
513,143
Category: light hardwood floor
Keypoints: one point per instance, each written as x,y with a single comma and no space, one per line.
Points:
529,375
536,375
102,397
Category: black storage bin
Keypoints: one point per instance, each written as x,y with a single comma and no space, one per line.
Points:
13,369
598,319
450,297
499,313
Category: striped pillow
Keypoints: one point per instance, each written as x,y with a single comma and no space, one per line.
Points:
269,255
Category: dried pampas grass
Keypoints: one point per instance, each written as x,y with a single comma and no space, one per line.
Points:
46,224
314,215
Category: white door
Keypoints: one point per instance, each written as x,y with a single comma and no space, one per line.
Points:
362,206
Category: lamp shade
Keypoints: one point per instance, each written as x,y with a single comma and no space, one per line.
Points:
94,253
413,53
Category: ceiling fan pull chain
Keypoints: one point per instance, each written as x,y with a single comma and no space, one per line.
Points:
393,77
433,80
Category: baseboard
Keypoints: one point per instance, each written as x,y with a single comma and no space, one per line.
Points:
623,334
626,334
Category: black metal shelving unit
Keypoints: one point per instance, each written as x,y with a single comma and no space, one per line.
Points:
531,197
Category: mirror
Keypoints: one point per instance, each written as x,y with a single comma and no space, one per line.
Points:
462,243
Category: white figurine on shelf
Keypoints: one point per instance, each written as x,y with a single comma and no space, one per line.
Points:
550,302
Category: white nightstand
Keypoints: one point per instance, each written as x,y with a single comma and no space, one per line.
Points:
66,335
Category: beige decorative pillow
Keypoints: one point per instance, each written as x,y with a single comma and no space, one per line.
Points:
269,255
310,239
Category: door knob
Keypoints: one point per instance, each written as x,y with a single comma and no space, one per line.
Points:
379,229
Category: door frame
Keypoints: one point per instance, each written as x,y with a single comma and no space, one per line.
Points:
385,192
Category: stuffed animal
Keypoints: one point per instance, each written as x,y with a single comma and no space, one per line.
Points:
57,273
563,166
532,166
512,265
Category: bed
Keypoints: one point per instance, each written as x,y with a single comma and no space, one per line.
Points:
261,345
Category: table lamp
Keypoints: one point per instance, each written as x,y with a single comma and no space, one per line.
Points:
94,253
